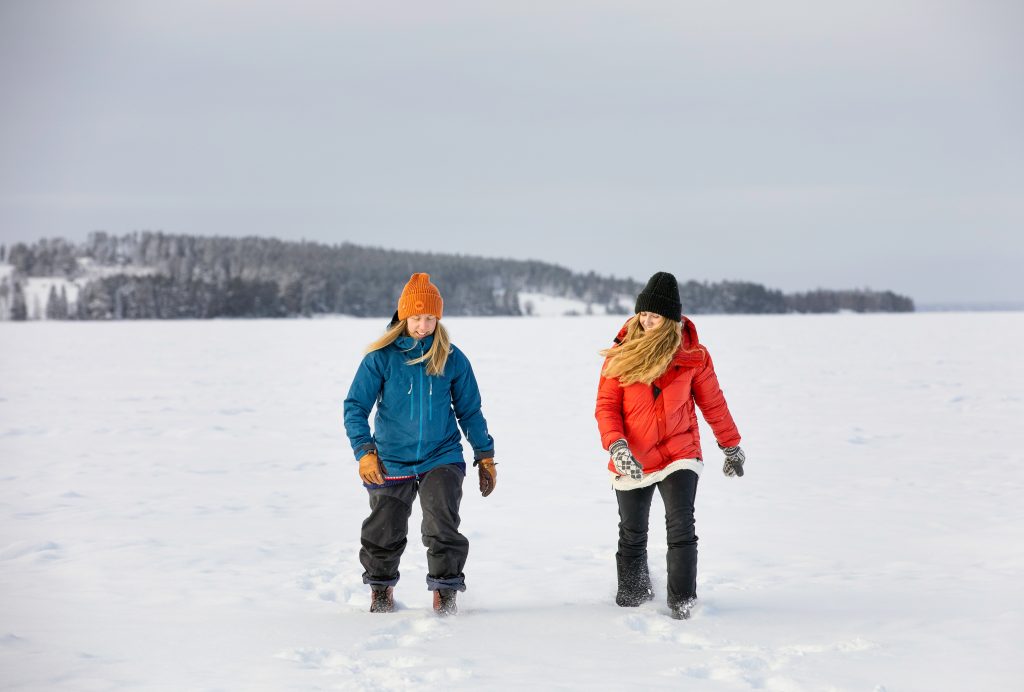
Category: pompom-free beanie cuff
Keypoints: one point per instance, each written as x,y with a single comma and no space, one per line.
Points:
661,296
659,305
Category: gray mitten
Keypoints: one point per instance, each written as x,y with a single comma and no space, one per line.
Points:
624,461
734,458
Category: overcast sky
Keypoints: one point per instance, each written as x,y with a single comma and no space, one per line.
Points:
797,144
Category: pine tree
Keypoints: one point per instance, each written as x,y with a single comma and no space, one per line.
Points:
19,311
51,304
63,304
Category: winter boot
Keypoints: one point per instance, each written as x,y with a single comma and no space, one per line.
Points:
682,610
382,599
444,602
634,581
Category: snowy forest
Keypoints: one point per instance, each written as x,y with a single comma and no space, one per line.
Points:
155,275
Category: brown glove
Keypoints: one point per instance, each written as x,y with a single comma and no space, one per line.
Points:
488,476
370,469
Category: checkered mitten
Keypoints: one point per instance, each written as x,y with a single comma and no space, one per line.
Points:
624,461
734,458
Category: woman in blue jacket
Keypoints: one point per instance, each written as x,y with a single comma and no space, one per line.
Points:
421,385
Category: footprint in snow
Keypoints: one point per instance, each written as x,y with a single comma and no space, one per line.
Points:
332,585
656,625
409,631
321,659
757,666
367,673
47,550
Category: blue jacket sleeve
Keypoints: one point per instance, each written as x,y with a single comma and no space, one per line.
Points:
466,402
362,395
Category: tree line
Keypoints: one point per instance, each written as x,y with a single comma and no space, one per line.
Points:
154,275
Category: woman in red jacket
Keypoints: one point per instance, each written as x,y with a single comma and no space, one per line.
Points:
654,378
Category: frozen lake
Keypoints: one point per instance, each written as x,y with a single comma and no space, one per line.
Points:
179,509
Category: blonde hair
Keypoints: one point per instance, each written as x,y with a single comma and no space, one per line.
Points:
643,357
435,357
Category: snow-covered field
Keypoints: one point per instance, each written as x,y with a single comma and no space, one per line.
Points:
179,510
543,305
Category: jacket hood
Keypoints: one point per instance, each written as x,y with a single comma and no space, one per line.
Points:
690,352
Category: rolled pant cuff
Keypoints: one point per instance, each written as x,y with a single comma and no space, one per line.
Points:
379,581
454,583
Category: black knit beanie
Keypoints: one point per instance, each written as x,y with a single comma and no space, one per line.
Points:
661,296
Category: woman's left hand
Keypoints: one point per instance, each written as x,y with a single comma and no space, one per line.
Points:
734,458
488,476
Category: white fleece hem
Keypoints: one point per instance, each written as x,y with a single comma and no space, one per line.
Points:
627,483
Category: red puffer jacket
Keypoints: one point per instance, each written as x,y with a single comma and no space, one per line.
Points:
659,421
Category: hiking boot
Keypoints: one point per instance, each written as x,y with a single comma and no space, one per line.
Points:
682,610
444,602
382,599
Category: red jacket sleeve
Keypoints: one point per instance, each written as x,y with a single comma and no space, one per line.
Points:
708,395
609,411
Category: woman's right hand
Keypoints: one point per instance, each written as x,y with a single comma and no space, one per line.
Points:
371,471
624,461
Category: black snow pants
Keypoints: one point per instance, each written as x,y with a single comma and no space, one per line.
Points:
678,492
385,530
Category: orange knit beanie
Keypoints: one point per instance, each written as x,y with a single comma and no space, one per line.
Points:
420,297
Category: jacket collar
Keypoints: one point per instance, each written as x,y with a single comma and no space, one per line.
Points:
407,343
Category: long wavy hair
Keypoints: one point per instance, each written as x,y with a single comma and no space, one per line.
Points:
643,355
435,357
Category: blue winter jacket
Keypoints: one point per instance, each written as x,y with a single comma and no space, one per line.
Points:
415,428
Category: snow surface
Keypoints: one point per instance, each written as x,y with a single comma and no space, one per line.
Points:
179,510
543,305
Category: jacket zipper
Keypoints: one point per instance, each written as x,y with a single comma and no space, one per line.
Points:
419,440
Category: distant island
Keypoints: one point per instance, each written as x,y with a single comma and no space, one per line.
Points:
155,275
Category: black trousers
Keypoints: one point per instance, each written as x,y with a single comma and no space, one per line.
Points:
384,533
678,492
